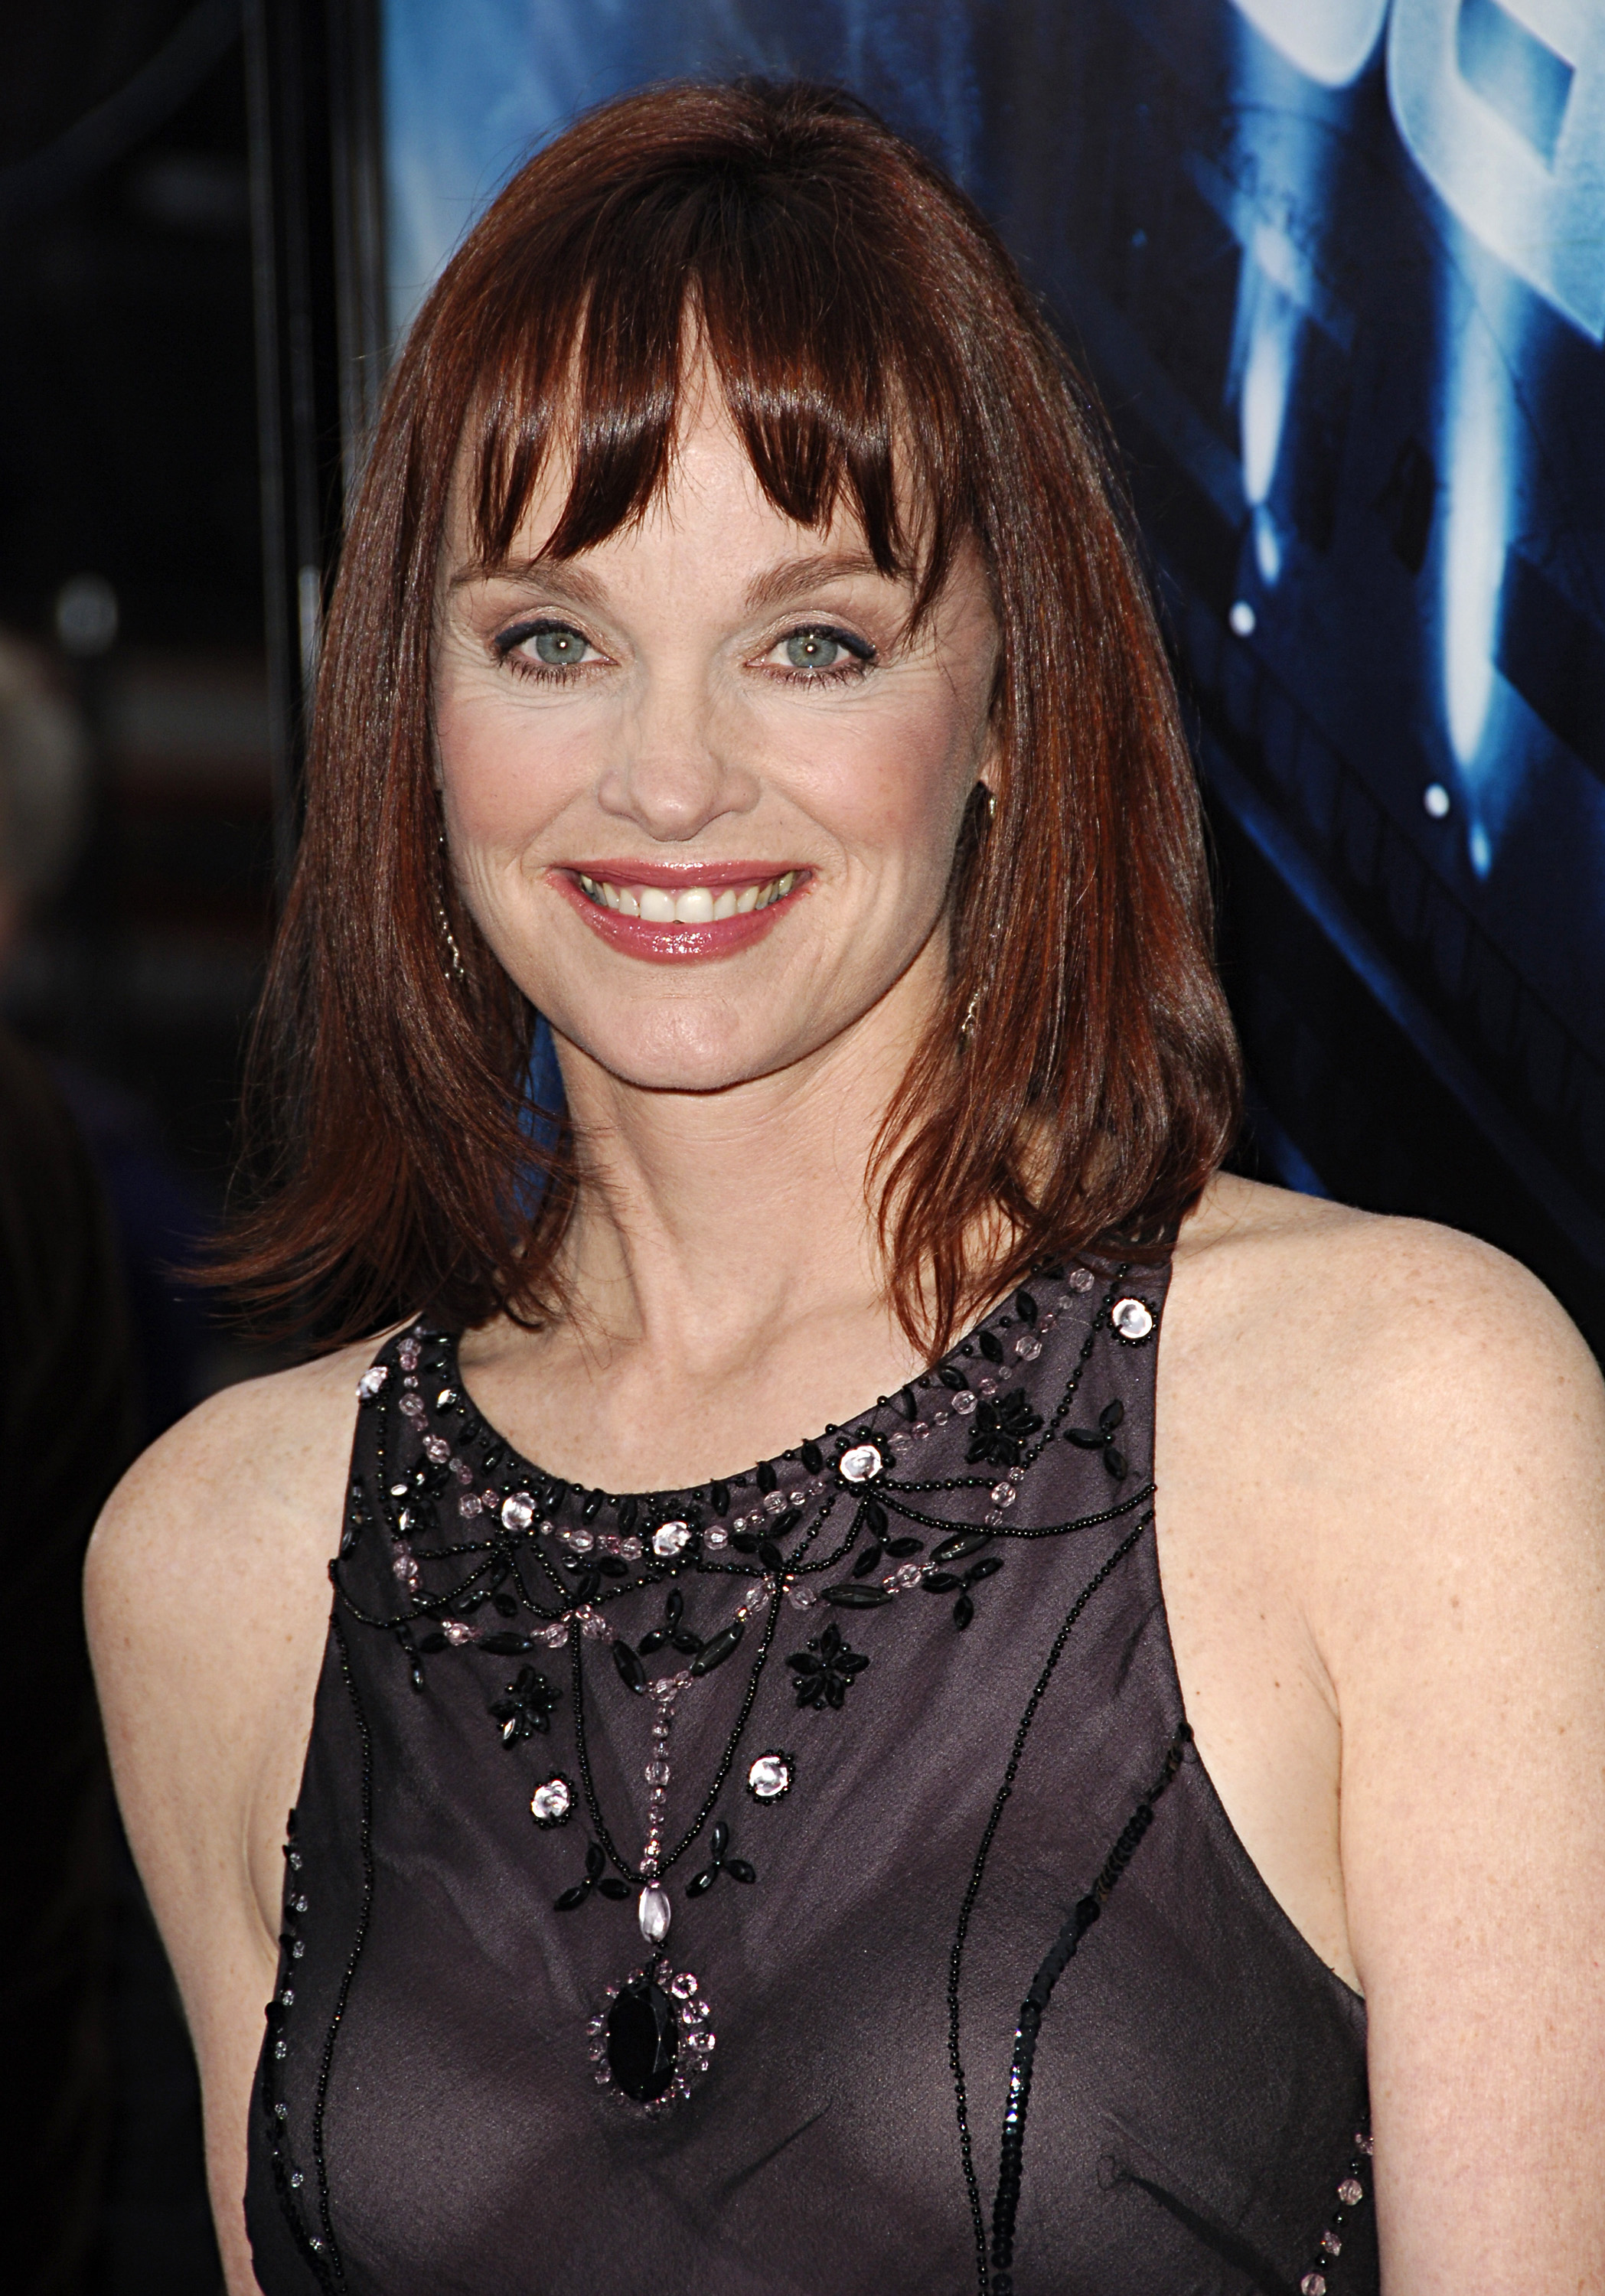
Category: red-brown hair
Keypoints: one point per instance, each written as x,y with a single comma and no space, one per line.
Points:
876,348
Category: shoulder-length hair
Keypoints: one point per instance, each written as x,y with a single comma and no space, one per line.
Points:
877,350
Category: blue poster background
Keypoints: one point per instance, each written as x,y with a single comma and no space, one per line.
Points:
1337,269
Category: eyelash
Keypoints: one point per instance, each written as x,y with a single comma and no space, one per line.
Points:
861,655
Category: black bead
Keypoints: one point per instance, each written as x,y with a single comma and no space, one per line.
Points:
631,1672
992,1347
1025,1307
813,1457
770,1556
987,1567
650,1645
907,1404
963,1542
626,1514
592,1508
853,1598
903,1546
739,1870
719,1497
610,1886
718,1647
718,1840
867,1561
576,1896
766,1477
595,1863
700,1883
963,1610
952,1376
643,2039
745,1541
874,1518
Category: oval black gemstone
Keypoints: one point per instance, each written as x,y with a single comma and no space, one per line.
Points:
963,1543
631,1672
643,2039
852,1598
813,1457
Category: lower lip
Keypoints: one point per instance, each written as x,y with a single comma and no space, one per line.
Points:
677,944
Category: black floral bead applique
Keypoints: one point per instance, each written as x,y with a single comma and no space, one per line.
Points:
825,1672
673,1633
596,1877
526,1706
1101,1437
1001,1431
720,1861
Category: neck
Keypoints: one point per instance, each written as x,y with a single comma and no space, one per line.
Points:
707,1220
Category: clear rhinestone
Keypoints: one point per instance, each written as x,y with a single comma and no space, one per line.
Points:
297,2179
602,2076
517,1511
775,1502
467,1505
437,1447
682,1985
965,1402
671,1538
654,1913
1314,2284
550,1804
1027,1349
657,1773
1351,2192
447,1395
1331,2243
581,1541
1131,1318
995,1516
457,1631
920,1432
987,1387
801,1598
908,1576
1362,2142
703,2041
370,1381
769,1777
716,1537
861,1464
1080,1279
593,1624
629,1547
1003,1495
411,1408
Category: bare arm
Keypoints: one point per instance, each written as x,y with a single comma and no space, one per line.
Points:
208,1597
1463,1618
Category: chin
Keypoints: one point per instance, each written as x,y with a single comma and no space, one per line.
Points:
687,1050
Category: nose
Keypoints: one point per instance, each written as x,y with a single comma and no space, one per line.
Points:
673,772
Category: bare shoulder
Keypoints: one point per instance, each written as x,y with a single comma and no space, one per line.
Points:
1441,1335
207,1592
250,1483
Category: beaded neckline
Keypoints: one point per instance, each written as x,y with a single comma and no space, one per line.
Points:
1015,1316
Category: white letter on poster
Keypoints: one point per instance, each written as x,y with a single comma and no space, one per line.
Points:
1545,220
1329,40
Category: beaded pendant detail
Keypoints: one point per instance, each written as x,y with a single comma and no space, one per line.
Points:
651,2038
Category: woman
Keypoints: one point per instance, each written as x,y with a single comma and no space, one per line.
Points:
911,1862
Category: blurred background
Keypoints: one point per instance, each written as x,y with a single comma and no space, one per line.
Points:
1336,268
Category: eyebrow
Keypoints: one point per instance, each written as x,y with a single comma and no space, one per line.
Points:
791,579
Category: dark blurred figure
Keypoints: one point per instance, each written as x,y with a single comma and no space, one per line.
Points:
68,1425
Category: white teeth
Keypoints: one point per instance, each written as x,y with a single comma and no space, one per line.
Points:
698,905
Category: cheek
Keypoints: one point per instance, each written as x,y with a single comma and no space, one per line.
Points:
899,793
500,785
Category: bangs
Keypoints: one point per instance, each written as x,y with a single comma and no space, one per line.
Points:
835,380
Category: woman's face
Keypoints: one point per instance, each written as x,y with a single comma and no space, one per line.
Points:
702,788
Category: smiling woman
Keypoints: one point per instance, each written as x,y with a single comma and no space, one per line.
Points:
738,660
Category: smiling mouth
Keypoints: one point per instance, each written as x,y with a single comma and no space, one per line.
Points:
691,905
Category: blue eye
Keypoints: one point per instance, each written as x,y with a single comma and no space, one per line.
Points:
814,650
557,647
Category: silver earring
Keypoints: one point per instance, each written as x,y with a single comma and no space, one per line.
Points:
455,967
967,1025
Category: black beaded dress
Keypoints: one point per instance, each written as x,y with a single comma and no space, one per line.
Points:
805,1883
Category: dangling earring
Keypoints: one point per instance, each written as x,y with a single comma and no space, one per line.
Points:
967,1025
454,969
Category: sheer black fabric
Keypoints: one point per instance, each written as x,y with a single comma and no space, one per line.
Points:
435,2112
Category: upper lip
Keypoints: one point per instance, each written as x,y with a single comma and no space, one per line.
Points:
676,874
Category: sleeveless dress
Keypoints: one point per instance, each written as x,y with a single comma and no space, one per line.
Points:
802,1883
